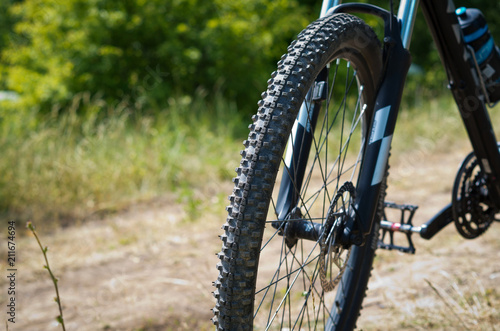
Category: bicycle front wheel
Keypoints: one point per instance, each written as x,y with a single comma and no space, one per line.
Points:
267,278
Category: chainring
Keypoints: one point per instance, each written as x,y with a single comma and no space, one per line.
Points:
333,254
473,210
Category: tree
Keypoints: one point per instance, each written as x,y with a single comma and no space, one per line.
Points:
6,34
146,51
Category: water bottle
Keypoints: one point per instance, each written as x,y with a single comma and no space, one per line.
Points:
478,36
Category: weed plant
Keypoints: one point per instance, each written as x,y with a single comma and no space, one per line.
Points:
57,298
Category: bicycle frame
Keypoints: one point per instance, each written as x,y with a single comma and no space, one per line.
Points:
463,83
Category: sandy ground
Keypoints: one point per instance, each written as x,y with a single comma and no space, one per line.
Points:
151,268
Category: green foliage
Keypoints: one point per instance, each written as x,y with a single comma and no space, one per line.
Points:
6,24
256,33
145,51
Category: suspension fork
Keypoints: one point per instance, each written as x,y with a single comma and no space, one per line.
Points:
300,140
397,62
396,65
299,145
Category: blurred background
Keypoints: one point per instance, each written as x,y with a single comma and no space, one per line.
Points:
120,126
104,101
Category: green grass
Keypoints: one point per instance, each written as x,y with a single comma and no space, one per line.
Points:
66,167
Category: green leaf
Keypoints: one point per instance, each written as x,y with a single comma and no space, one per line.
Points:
106,47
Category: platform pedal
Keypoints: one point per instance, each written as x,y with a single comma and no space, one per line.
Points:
404,226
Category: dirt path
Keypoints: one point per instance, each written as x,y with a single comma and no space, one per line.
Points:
145,269
150,268
450,283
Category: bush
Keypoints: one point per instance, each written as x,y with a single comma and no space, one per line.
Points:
145,51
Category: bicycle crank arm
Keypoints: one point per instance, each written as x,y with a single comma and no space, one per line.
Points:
427,230
437,223
405,226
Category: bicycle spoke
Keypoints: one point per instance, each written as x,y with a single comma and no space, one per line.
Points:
318,116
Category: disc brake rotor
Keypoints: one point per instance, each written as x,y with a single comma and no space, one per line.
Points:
334,256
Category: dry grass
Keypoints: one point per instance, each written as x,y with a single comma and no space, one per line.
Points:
464,303
60,169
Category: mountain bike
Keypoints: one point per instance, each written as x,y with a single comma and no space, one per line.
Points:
308,208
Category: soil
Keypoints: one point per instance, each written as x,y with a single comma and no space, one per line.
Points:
151,267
